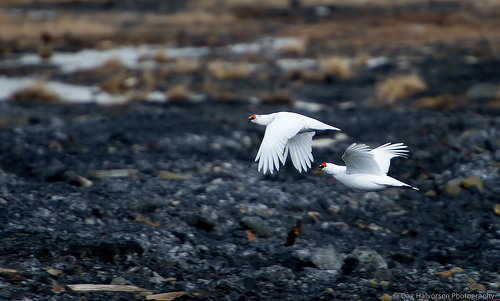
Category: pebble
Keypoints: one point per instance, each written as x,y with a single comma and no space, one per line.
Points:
258,226
170,175
276,273
482,90
368,258
453,186
327,259
472,181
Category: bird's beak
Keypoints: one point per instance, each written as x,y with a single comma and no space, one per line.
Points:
320,168
250,119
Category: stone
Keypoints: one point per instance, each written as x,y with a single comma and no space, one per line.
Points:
327,259
276,273
170,175
453,186
482,90
369,259
472,181
385,297
258,226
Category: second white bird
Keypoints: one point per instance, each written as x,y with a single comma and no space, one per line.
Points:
287,132
366,169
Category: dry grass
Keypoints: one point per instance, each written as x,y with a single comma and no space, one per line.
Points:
100,29
340,67
178,92
207,22
45,47
337,66
181,66
161,56
218,92
282,98
228,71
197,18
12,3
186,66
111,66
398,87
229,5
279,95
444,101
36,93
147,81
296,47
118,83
27,27
300,75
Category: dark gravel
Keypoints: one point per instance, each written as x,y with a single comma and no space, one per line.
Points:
190,233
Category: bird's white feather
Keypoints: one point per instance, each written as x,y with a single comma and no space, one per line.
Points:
384,153
287,133
366,169
300,148
359,160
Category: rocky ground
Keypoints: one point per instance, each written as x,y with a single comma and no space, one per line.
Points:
166,198
193,229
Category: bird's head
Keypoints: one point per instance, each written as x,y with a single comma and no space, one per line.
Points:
252,118
331,168
261,119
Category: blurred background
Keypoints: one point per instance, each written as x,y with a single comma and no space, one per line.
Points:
439,54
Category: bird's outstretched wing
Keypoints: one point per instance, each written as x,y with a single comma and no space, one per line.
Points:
384,153
359,160
272,148
300,148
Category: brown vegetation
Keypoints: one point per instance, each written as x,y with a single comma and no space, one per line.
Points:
218,92
297,47
444,101
206,22
118,83
227,70
178,92
180,66
111,66
35,93
398,87
337,66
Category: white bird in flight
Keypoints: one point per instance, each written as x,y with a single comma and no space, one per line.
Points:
287,132
366,169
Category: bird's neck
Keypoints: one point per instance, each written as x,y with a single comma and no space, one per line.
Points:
265,119
334,169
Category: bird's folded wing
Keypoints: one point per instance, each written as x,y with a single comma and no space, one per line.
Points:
300,148
359,160
384,153
272,149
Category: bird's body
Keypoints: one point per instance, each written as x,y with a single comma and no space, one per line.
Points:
287,132
366,169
